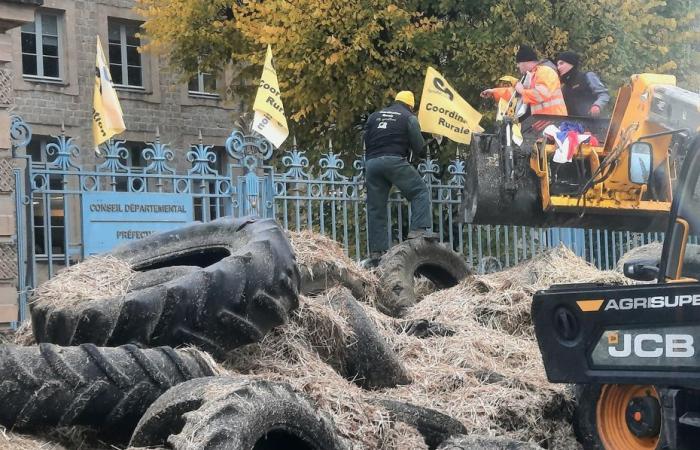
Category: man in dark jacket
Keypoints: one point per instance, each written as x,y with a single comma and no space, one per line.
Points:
389,136
585,95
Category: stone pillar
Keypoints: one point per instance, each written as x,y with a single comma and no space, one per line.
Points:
13,13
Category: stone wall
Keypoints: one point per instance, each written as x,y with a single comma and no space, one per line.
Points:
164,102
13,13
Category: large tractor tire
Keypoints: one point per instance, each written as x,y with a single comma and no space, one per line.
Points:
618,417
368,359
108,389
235,413
400,266
216,285
434,426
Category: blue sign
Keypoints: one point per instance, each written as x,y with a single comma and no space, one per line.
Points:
112,218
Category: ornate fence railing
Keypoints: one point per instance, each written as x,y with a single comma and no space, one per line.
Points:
55,188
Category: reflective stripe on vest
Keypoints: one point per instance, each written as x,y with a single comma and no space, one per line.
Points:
538,107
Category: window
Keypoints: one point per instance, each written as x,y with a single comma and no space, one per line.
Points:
135,164
41,46
48,202
203,84
124,58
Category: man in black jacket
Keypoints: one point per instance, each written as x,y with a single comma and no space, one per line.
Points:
584,94
389,136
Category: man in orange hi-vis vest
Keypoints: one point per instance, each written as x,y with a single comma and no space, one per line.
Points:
540,89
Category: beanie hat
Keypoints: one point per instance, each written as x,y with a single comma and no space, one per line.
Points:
406,97
525,53
569,57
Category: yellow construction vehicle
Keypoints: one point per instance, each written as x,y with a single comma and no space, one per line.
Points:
633,351
620,179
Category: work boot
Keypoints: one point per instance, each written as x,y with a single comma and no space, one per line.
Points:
372,262
425,233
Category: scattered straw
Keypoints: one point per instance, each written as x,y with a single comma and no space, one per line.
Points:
14,441
321,255
488,375
23,335
98,277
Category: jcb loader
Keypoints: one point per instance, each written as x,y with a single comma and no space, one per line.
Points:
633,352
624,181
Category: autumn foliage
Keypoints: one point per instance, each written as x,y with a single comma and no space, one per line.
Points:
337,60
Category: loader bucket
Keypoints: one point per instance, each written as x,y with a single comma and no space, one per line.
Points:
491,197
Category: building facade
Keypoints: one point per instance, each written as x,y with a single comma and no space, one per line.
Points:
52,56
54,59
13,14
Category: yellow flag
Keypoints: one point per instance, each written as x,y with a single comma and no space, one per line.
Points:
107,117
442,111
269,117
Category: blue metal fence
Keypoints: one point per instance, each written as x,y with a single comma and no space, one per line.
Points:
247,176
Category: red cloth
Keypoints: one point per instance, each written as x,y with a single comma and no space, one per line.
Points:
572,136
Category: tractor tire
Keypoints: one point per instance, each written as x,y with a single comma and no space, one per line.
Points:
434,426
245,282
108,389
320,277
145,280
650,254
485,443
400,265
592,420
235,413
367,359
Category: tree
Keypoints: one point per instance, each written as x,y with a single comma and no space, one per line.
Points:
337,61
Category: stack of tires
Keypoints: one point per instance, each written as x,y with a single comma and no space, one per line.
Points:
121,366
118,365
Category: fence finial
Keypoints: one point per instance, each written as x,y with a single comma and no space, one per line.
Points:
63,128
157,133
200,136
294,142
330,145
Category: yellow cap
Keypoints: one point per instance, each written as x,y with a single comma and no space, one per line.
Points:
407,98
508,79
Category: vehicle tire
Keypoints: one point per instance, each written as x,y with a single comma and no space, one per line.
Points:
368,359
600,422
650,254
235,413
245,282
434,426
104,388
485,443
321,277
413,257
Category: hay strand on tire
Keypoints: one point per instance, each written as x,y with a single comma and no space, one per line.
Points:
320,255
14,441
95,278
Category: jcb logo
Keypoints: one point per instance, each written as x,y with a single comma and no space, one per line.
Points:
651,345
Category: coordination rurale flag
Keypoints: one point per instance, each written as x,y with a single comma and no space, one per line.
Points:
269,117
442,111
107,117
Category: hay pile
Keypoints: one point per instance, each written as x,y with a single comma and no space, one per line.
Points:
16,441
95,278
296,353
59,438
488,375
320,258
